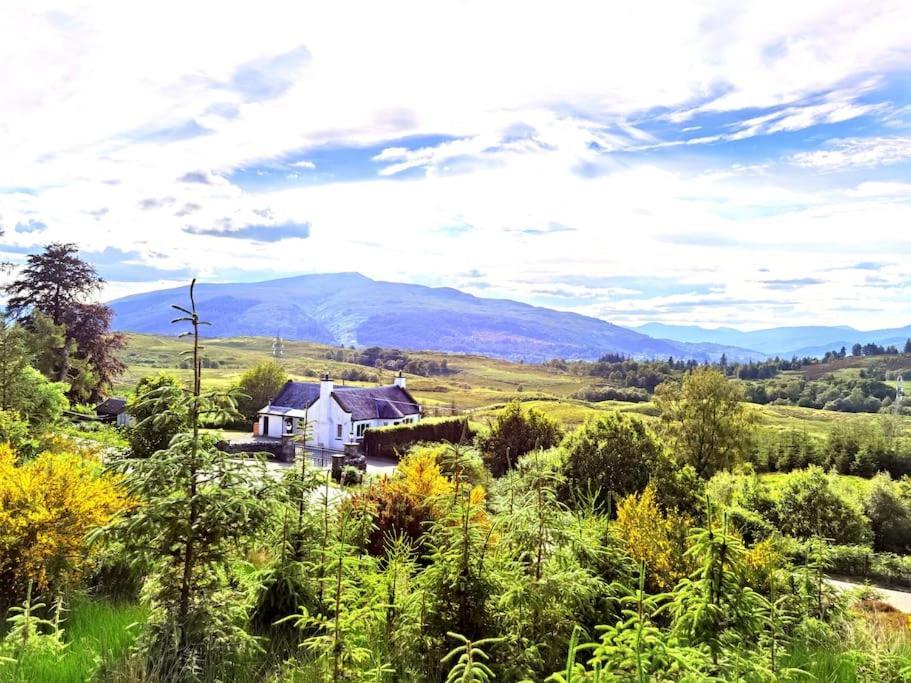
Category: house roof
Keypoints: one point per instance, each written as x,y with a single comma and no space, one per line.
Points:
298,395
111,406
371,403
363,403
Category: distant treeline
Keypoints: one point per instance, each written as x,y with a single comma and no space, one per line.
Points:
626,379
390,359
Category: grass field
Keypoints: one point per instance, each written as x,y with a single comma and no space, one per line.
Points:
97,633
477,384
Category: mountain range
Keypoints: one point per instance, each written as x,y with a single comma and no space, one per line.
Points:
781,341
351,309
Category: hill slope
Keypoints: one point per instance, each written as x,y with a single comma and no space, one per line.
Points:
350,309
781,341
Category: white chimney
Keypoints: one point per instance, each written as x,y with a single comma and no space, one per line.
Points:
323,427
325,386
399,380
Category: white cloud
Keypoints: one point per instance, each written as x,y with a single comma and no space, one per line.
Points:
845,153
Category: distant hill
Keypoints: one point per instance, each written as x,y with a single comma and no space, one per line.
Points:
781,341
351,309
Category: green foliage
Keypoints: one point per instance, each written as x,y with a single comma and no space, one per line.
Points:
808,504
469,660
196,506
890,518
257,386
394,440
613,453
154,407
704,421
514,433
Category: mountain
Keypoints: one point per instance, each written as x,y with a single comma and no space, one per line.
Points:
351,309
781,341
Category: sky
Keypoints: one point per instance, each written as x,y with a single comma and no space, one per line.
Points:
714,163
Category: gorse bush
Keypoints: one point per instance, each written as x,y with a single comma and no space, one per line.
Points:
47,506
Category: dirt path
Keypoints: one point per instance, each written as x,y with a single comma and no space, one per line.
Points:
900,600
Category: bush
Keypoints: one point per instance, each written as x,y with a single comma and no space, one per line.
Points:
151,406
626,394
611,453
47,506
890,518
403,504
515,433
258,386
808,504
653,537
392,441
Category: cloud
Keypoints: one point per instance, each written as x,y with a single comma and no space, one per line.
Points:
187,209
851,152
257,233
30,225
196,177
168,134
131,266
792,283
150,203
304,164
548,229
269,77
98,214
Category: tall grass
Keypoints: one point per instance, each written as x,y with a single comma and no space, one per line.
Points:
98,633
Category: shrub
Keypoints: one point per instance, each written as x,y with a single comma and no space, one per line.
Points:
653,537
151,406
47,506
394,440
611,453
808,504
403,504
258,386
890,518
515,433
394,513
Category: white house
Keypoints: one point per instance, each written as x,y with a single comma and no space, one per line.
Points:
333,416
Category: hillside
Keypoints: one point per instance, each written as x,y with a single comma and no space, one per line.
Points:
781,341
351,309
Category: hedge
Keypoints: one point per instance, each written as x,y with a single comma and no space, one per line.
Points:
391,442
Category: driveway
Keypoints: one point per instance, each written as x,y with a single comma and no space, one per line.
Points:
900,600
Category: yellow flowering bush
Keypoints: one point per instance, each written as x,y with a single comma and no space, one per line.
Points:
653,537
47,506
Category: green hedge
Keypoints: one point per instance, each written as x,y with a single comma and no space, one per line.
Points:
392,442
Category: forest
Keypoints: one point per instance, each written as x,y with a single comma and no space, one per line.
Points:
695,546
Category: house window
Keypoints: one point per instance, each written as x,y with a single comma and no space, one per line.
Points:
338,431
361,428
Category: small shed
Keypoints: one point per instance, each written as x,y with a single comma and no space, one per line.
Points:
113,410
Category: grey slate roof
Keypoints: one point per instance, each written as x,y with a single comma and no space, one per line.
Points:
111,406
363,403
298,395
371,403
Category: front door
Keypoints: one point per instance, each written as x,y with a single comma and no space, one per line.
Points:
265,426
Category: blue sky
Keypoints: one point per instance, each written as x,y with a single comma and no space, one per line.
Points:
739,164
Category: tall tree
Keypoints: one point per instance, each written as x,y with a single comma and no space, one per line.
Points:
52,282
704,420
50,297
88,330
258,386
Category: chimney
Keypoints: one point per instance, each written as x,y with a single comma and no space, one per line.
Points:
325,386
399,380
321,433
